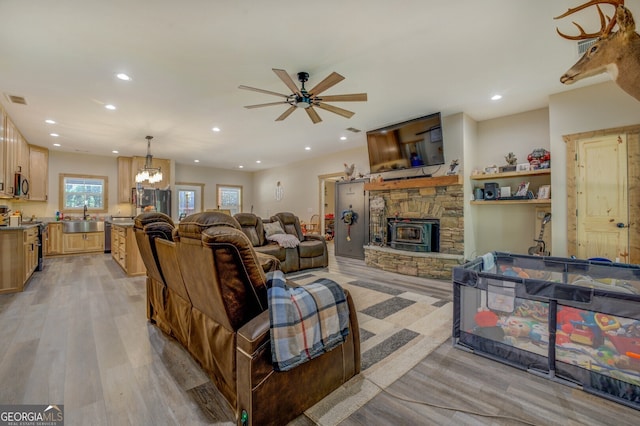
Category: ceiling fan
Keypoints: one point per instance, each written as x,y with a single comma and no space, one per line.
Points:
308,99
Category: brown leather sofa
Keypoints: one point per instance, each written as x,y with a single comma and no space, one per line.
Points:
312,251
253,228
228,322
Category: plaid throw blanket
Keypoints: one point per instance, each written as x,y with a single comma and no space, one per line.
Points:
306,321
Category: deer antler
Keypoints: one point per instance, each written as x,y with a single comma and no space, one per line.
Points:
605,28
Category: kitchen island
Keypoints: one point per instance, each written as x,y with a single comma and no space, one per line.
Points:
19,246
124,249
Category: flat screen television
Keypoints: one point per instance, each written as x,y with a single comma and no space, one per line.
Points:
410,144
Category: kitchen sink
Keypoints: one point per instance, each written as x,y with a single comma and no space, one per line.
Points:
80,226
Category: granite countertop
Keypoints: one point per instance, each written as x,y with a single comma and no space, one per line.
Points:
24,225
123,224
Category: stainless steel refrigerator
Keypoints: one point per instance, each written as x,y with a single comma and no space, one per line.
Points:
158,198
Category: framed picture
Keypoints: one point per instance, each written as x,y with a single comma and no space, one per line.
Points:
544,192
523,167
522,189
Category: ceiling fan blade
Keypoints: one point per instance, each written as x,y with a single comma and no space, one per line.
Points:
353,97
335,110
313,115
331,80
264,105
286,113
268,92
286,79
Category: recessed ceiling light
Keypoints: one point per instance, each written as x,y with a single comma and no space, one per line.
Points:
196,161
241,166
55,135
109,106
216,129
56,144
343,138
496,97
123,76
307,148
49,121
258,161
115,151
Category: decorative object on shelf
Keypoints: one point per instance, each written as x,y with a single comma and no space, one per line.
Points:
348,171
523,189
491,191
505,191
523,167
148,172
453,167
544,192
279,191
539,158
610,51
478,194
511,160
491,169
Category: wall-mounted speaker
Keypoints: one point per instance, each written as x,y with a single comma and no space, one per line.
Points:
491,191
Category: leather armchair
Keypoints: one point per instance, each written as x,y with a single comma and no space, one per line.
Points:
312,251
147,228
229,330
253,228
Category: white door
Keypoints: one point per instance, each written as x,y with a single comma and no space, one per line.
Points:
603,211
188,200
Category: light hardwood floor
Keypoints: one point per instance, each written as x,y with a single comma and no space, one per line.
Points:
78,336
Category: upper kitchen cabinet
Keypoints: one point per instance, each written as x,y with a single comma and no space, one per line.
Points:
2,165
125,180
10,156
38,173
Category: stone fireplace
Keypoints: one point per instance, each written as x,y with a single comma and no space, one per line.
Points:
437,202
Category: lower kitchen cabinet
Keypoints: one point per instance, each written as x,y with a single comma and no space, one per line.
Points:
16,269
124,250
54,238
83,242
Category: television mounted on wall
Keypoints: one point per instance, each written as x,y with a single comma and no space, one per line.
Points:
410,144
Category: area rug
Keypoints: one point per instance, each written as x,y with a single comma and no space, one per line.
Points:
397,330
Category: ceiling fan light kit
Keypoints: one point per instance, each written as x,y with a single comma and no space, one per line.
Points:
308,99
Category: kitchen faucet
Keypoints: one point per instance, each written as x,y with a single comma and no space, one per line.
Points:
84,213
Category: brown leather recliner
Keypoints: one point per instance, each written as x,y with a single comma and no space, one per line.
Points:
230,327
253,228
312,251
148,227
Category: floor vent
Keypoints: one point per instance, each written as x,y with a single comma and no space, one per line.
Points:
584,45
353,129
16,99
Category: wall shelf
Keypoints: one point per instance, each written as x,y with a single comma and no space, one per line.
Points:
423,182
498,201
537,172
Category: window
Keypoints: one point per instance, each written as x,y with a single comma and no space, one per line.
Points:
230,198
78,191
189,198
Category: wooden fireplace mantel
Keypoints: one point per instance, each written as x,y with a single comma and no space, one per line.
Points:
423,182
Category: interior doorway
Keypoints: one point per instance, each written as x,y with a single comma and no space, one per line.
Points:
326,201
189,199
602,194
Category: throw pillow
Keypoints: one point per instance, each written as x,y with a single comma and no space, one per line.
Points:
272,228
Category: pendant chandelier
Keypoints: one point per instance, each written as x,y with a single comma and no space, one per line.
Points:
149,173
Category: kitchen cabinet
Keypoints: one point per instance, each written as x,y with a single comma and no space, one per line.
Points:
535,177
10,155
124,250
125,180
38,173
15,270
2,149
54,238
84,242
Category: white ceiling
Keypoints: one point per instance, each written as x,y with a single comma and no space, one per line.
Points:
187,59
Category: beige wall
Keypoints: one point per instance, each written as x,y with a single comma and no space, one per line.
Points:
211,177
601,106
506,227
300,183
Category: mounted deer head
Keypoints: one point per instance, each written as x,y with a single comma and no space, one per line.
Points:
617,53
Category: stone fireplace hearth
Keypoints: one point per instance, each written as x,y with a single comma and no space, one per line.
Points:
437,199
